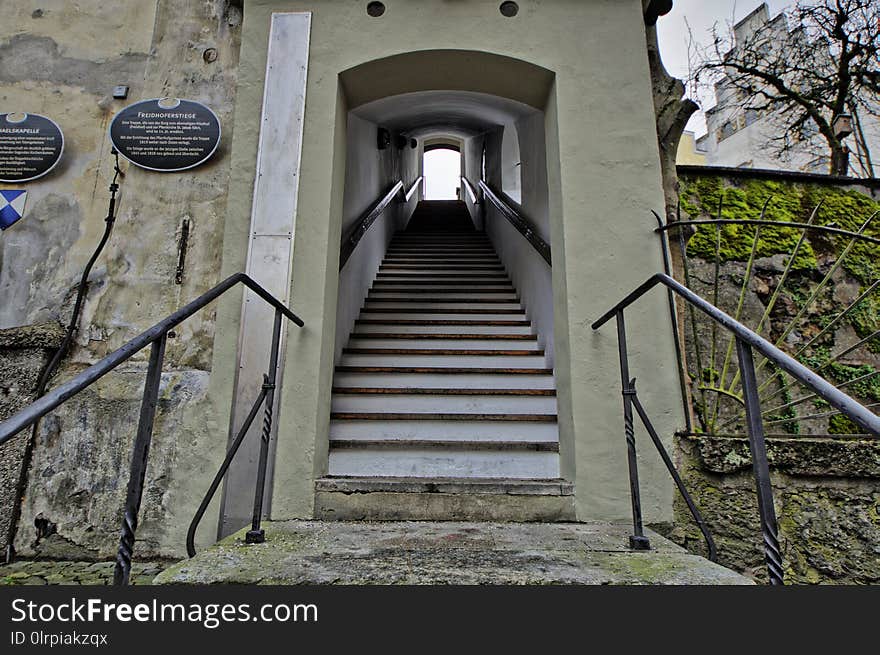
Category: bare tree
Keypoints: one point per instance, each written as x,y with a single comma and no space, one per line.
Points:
820,61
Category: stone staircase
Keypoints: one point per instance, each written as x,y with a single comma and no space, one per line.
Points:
443,378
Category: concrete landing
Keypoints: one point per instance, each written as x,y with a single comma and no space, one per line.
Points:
357,553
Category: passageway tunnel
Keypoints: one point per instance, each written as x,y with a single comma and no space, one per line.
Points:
444,340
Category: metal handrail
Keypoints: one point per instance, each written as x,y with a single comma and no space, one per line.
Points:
156,337
523,225
472,193
353,237
746,341
834,396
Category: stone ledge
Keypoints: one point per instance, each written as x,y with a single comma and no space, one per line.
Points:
807,456
508,486
315,552
44,336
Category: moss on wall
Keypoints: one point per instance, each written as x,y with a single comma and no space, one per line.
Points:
791,323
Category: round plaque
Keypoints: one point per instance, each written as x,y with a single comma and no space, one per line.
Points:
30,146
166,134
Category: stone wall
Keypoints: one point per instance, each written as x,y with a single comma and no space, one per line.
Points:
23,353
827,497
62,60
825,476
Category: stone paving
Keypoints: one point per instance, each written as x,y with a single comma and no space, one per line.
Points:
426,552
49,572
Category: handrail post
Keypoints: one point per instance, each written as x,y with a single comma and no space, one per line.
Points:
256,535
141,451
638,540
760,466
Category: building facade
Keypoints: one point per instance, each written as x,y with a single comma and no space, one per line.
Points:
741,137
302,90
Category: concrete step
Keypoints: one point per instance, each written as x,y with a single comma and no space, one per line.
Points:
433,552
449,307
469,342
370,326
478,381
462,430
443,403
443,295
416,287
444,361
431,315
450,462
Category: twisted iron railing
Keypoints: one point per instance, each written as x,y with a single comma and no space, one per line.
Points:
803,306
156,337
746,341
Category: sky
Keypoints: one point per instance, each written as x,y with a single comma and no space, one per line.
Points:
442,174
700,15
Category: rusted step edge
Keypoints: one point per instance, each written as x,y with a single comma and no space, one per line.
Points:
458,486
388,416
443,370
431,292
438,336
422,391
462,310
441,322
440,278
423,444
443,352
485,301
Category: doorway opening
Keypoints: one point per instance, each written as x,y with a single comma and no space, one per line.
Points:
442,171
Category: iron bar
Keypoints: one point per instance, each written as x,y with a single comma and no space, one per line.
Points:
520,222
141,453
638,540
760,465
803,399
702,416
221,473
836,398
667,460
739,307
256,535
472,194
752,221
353,237
63,392
676,337
811,416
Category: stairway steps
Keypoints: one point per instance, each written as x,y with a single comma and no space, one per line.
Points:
443,322
442,286
441,444
443,370
426,416
448,405
480,347
429,463
382,391
464,430
444,335
446,381
448,303
442,350
443,375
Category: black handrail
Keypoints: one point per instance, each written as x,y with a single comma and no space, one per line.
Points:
746,341
472,193
353,237
520,222
156,337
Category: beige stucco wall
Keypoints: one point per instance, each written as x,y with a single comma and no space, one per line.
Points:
603,180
